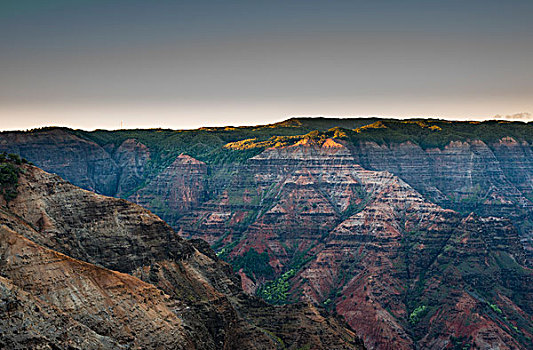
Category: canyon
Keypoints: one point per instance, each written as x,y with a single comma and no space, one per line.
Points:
418,234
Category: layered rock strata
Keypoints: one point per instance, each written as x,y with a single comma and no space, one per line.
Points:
404,272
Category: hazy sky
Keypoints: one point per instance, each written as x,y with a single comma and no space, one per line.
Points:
182,64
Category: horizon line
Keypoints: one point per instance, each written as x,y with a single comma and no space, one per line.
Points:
518,117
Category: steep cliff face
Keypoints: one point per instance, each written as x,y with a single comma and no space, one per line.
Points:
132,158
166,293
469,175
403,271
111,232
516,160
176,190
83,162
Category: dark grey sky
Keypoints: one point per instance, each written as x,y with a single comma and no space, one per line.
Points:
183,64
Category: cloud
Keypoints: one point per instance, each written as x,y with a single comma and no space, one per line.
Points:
523,116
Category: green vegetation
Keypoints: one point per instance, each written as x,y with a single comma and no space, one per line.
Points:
274,141
315,136
460,343
226,250
276,338
354,208
417,314
495,308
254,264
205,144
226,145
9,175
430,133
276,291
301,258
236,144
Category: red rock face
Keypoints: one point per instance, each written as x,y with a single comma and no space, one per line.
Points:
373,249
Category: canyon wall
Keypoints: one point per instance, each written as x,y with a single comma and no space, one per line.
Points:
306,222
